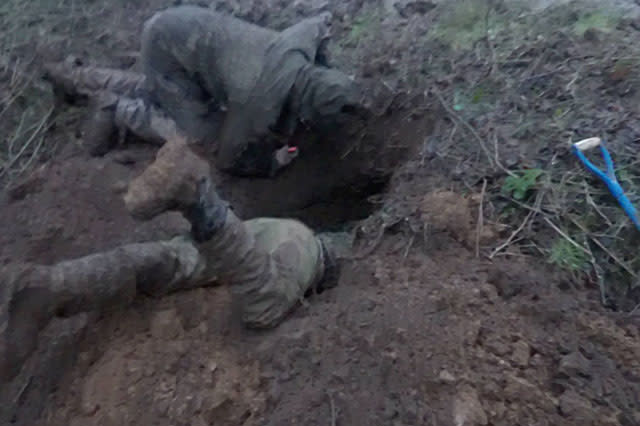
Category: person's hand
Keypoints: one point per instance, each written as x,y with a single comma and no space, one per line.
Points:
285,155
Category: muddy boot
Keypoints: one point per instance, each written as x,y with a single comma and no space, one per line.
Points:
169,183
99,130
61,77
74,79
25,309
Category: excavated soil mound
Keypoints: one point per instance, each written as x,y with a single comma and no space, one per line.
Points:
419,332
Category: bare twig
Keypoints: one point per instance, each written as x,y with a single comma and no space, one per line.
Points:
35,133
494,64
497,154
512,236
33,156
469,127
353,146
532,211
597,242
409,245
598,271
620,263
334,415
565,236
366,252
480,224
22,390
593,204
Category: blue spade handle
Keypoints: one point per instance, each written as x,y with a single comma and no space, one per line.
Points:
611,181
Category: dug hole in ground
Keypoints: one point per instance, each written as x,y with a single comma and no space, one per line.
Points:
423,329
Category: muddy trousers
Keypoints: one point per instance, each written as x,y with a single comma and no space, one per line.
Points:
150,107
269,264
34,295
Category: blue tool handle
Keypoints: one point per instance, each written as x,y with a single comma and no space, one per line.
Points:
592,167
609,178
617,191
608,161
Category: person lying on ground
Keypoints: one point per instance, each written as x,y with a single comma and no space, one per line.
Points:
224,82
270,264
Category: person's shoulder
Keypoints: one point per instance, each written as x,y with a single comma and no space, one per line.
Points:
179,9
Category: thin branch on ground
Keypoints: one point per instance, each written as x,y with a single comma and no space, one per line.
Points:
409,245
494,64
532,211
35,133
497,156
598,271
593,204
565,236
366,252
471,130
334,414
597,242
480,223
512,236
460,120
615,258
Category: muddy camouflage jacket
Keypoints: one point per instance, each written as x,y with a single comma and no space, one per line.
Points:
267,80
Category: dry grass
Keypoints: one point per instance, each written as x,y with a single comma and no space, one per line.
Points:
33,32
562,75
514,88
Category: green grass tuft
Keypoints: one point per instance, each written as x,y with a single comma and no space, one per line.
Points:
568,256
521,185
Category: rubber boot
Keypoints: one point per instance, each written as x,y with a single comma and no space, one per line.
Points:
169,183
61,77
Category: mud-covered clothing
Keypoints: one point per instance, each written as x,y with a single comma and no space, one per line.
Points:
196,61
224,81
32,295
269,264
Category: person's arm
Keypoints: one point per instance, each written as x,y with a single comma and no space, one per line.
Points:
244,151
260,160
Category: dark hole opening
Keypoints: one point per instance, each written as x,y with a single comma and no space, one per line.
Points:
344,207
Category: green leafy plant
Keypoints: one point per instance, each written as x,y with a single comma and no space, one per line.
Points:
566,255
520,185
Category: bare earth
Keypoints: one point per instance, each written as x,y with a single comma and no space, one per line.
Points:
420,330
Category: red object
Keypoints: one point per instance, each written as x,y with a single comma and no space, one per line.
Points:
292,149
